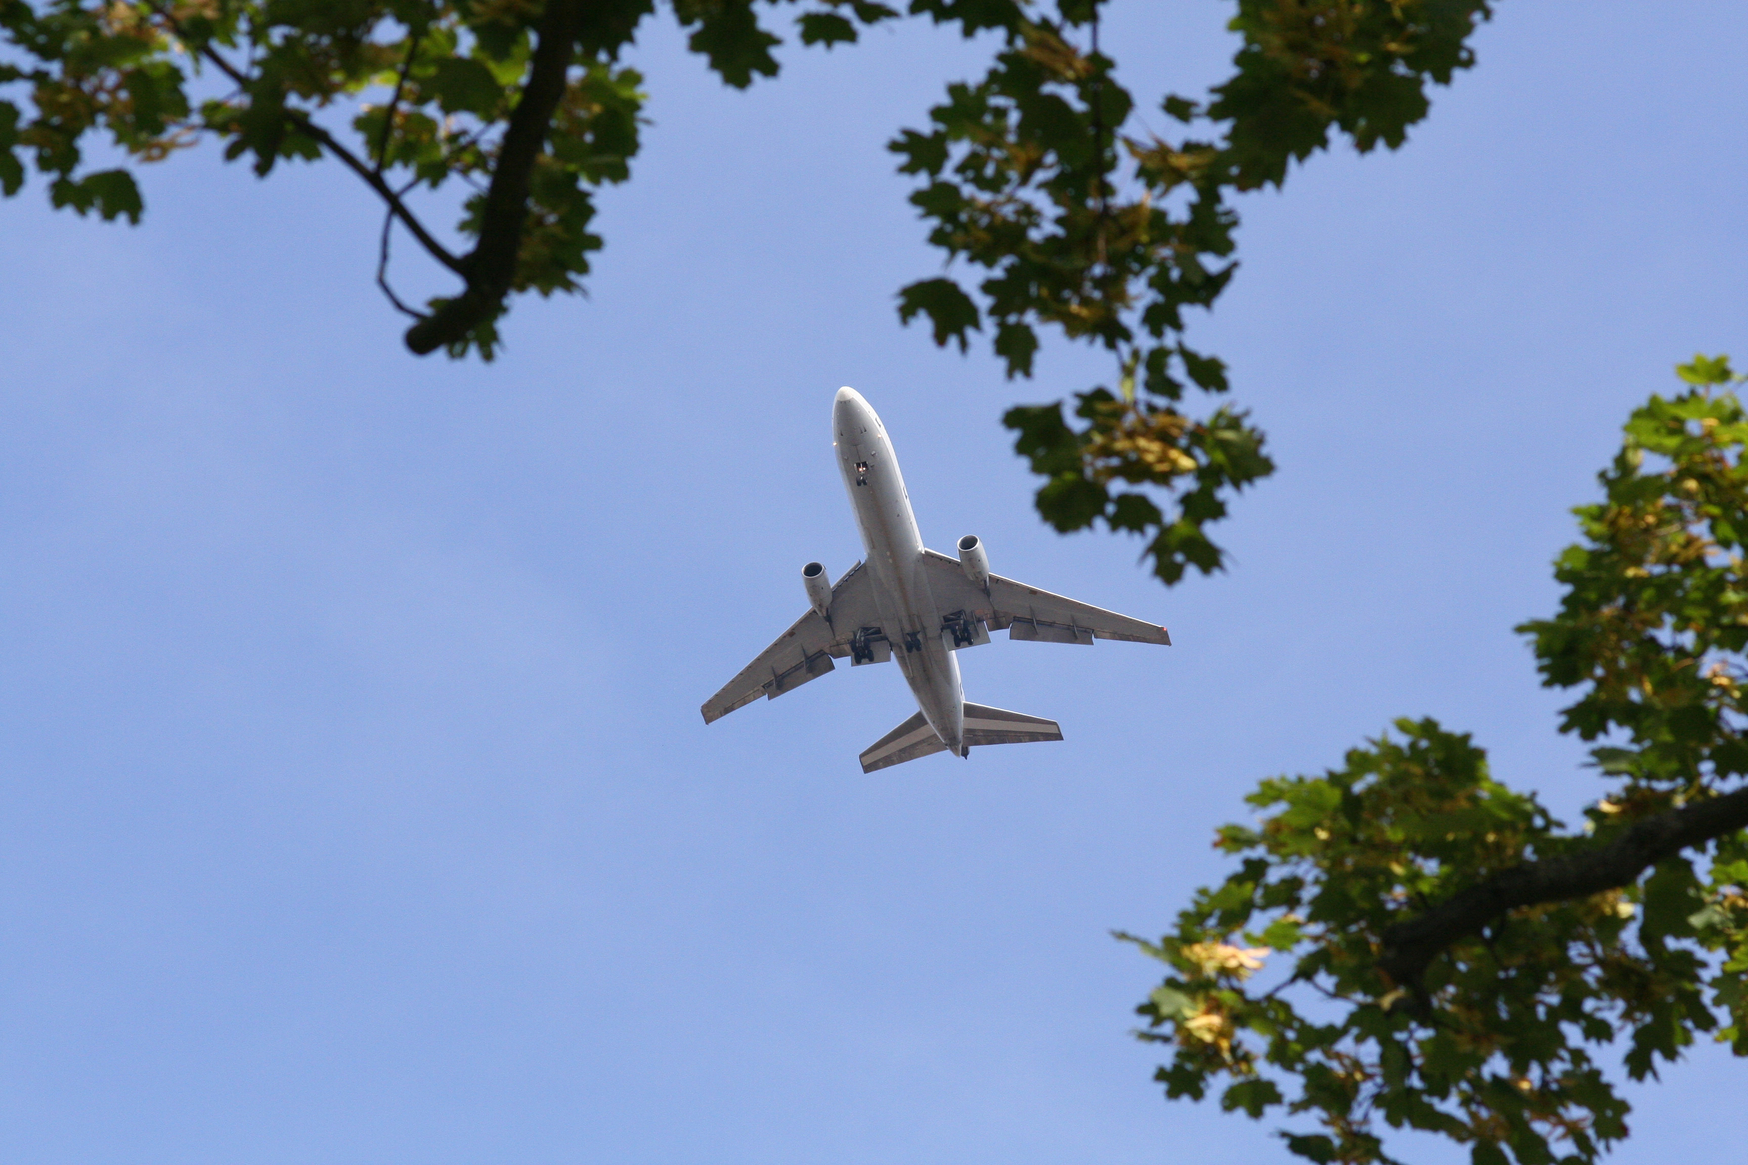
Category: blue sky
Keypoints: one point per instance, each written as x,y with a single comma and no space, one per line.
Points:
354,801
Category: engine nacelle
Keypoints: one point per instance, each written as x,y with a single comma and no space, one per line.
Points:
974,561
819,587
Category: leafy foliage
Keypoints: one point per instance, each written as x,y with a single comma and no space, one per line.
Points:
1655,616
1110,235
438,90
1033,174
1496,1046
1140,444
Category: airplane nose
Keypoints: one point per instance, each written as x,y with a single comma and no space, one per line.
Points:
850,412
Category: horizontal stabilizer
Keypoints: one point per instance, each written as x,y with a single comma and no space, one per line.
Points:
999,726
908,741
983,725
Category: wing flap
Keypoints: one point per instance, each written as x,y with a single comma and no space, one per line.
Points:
811,667
1030,613
800,654
1044,631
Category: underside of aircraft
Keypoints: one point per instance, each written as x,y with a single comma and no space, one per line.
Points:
917,607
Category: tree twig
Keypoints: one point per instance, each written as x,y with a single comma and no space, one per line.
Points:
352,162
1410,946
388,118
388,222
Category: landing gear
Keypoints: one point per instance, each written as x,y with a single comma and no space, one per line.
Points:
869,645
962,629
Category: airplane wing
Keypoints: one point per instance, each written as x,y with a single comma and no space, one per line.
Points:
1030,613
805,651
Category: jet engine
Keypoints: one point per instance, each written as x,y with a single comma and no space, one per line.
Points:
819,587
974,561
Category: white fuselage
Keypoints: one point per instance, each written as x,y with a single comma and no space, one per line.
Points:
895,550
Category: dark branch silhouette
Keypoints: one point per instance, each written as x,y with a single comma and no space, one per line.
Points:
490,268
1411,945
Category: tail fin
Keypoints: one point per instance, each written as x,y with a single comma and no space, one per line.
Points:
998,726
908,741
983,725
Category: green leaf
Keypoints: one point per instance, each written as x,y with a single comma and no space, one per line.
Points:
1672,894
1253,1096
1016,343
949,309
1181,109
1488,1153
1282,934
1313,1148
111,193
1044,437
1169,1003
730,38
1071,502
11,169
973,16
464,85
1134,512
1209,372
1705,370
826,28
924,153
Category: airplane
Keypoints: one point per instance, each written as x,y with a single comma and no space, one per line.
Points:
914,605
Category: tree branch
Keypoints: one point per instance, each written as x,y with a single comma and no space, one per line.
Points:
388,222
305,126
1410,946
388,115
490,268
376,182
